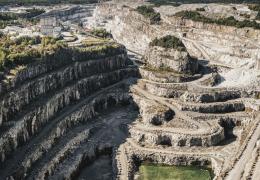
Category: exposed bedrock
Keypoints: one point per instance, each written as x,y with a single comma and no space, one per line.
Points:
121,17
228,45
153,113
16,100
224,107
163,76
178,160
204,94
212,80
176,60
33,118
88,109
165,90
237,118
213,96
90,155
177,139
191,92
109,133
52,62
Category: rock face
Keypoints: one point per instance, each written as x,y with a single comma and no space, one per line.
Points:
178,61
140,30
44,104
22,96
165,76
205,114
57,118
153,113
225,45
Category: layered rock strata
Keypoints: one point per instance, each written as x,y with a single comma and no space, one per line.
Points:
46,109
58,120
209,124
176,60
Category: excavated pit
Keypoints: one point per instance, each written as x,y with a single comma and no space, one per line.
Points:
99,105
101,168
220,114
60,121
91,119
115,137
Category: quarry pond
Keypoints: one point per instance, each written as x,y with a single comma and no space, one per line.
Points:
148,171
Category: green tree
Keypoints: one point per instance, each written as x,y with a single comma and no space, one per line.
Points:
169,42
149,12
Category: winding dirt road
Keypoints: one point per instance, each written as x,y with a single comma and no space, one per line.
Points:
237,171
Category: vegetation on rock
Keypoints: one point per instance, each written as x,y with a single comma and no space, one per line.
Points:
169,42
254,7
44,2
33,13
149,12
97,52
7,18
164,2
95,41
102,33
26,50
230,21
14,52
164,70
19,18
200,9
206,1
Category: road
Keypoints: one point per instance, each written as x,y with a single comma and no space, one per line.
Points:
204,128
236,172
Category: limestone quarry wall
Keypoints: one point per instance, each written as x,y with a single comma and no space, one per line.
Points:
44,94
165,76
177,139
30,122
13,102
177,61
225,44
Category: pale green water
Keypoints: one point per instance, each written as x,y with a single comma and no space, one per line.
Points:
161,172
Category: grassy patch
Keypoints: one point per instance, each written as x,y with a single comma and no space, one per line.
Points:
161,172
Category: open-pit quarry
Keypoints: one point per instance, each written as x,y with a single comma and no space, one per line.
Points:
195,104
